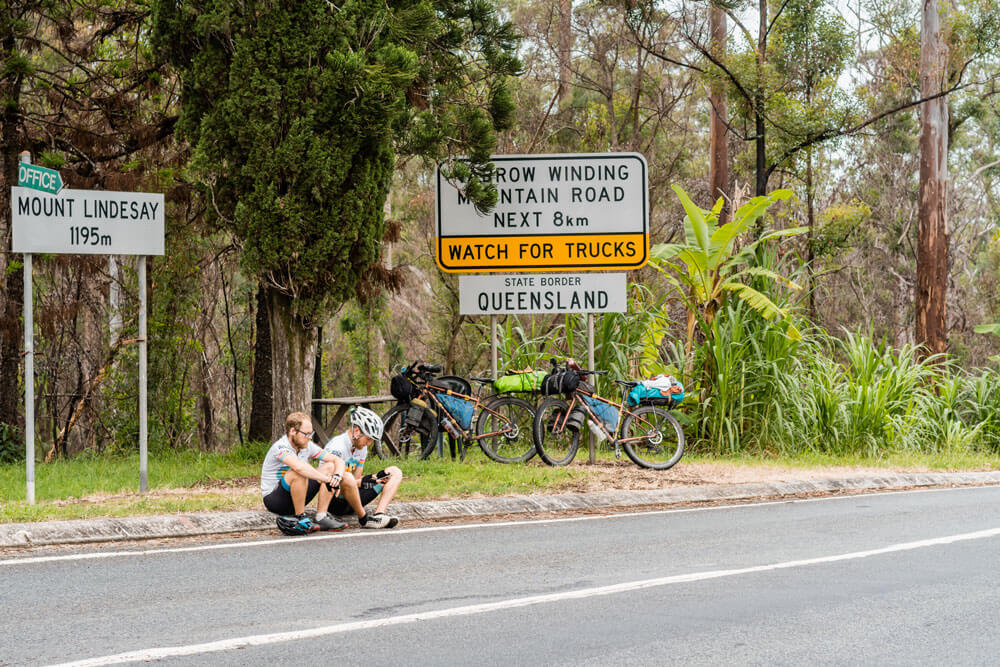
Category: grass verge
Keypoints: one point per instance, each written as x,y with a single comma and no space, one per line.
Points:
188,481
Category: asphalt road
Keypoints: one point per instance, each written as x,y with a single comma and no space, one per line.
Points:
889,579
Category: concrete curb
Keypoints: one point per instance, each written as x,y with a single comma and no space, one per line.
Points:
209,523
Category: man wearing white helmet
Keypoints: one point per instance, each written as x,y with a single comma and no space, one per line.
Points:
352,447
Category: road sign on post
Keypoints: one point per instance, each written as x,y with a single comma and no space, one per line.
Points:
89,222
524,294
580,212
39,178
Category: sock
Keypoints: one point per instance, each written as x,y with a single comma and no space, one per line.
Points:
363,520
320,515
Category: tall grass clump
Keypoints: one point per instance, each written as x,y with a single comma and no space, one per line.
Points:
847,396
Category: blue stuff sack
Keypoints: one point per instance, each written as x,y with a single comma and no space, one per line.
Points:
461,409
670,393
605,411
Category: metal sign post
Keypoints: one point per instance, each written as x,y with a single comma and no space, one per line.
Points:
29,383
29,356
143,426
590,364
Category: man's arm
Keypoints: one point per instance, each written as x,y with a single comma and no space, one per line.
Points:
301,467
337,462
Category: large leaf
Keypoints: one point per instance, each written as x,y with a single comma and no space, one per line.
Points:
695,220
988,328
761,272
756,300
747,214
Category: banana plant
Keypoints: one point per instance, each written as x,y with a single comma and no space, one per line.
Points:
709,266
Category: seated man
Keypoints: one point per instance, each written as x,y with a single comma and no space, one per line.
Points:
288,482
352,447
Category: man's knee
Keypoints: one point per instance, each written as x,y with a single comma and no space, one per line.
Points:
394,472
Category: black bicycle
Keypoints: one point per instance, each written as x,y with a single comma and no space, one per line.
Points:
432,404
649,434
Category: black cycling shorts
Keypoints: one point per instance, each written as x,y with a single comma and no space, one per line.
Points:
280,502
368,490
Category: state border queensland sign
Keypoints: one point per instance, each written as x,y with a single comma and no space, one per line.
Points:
580,212
523,294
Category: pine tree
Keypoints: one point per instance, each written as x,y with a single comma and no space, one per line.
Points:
296,113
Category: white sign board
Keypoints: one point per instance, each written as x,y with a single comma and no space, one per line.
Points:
542,293
87,222
582,212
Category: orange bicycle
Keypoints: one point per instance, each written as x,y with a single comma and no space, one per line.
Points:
499,424
649,434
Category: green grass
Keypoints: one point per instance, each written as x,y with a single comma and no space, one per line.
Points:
187,481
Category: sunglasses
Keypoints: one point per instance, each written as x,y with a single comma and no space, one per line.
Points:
308,434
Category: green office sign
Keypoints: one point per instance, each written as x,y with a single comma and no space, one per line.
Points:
39,178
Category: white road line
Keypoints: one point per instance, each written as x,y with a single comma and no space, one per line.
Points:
261,640
526,521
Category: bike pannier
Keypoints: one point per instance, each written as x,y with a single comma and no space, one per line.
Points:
461,409
420,416
560,381
403,388
528,380
660,390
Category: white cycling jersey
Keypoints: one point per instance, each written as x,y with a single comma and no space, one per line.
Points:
273,469
340,445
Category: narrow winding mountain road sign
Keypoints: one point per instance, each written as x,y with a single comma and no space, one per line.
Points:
39,178
579,212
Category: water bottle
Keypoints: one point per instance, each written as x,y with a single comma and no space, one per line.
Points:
453,430
597,431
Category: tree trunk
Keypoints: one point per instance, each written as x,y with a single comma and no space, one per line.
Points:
260,398
565,45
293,356
932,242
718,167
11,282
761,161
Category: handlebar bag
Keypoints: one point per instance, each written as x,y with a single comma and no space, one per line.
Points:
403,388
560,381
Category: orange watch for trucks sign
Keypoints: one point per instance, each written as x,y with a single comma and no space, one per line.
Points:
579,212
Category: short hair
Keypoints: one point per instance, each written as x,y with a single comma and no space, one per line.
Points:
295,420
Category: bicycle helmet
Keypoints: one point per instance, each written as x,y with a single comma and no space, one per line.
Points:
368,422
293,525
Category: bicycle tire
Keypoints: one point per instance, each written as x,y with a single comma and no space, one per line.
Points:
664,443
516,414
555,447
400,440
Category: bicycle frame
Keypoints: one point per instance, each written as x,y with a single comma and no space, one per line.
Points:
478,405
613,438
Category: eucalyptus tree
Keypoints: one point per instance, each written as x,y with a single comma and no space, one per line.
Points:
296,113
81,92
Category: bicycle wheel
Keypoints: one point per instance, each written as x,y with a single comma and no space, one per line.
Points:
662,443
402,440
511,420
555,442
